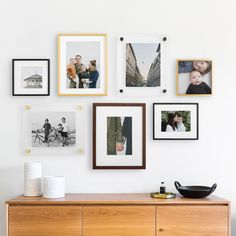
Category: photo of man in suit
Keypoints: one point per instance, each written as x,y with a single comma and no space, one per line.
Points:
114,135
119,135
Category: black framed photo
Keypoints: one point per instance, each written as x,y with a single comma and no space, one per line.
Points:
175,121
30,77
119,136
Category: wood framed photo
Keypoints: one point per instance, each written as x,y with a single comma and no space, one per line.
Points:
119,136
30,77
194,77
53,129
175,121
141,65
82,64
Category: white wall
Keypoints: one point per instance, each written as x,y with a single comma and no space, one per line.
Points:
203,28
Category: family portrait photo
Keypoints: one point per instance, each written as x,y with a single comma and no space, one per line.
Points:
119,135
82,64
30,77
143,64
53,129
175,121
194,77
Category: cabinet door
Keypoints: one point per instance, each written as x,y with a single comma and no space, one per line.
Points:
45,221
119,221
207,220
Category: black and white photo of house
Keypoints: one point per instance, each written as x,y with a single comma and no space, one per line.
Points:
31,77
53,129
143,64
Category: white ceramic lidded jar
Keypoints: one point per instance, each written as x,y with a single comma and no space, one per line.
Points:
32,179
54,187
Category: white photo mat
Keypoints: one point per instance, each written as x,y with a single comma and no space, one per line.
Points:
30,110
62,63
157,121
121,65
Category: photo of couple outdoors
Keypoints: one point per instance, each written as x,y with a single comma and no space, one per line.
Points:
175,121
119,135
53,130
82,68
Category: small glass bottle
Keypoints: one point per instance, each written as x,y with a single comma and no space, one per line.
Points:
162,188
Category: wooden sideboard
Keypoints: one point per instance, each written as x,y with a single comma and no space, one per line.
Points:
117,215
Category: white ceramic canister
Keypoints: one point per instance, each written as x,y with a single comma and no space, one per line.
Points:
32,179
54,186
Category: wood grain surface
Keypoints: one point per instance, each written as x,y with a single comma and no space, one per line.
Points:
192,220
116,198
119,221
45,221
117,215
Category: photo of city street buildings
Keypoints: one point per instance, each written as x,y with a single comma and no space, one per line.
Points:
143,64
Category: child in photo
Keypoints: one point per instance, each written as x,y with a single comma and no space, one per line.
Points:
197,86
84,77
71,74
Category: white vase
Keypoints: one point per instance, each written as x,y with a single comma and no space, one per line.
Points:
54,186
32,179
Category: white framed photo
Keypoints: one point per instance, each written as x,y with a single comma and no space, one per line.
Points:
82,64
141,65
53,128
119,136
175,121
30,77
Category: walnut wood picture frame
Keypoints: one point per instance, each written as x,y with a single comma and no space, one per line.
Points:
119,136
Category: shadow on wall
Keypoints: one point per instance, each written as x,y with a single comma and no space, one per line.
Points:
11,185
233,225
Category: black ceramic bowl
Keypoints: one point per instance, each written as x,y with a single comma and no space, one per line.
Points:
195,191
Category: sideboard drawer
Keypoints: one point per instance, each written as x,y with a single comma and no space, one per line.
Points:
119,220
45,220
205,220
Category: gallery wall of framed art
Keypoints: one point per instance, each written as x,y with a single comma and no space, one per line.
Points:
82,71
30,31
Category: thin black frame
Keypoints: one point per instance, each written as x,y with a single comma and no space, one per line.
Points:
197,121
13,77
143,106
